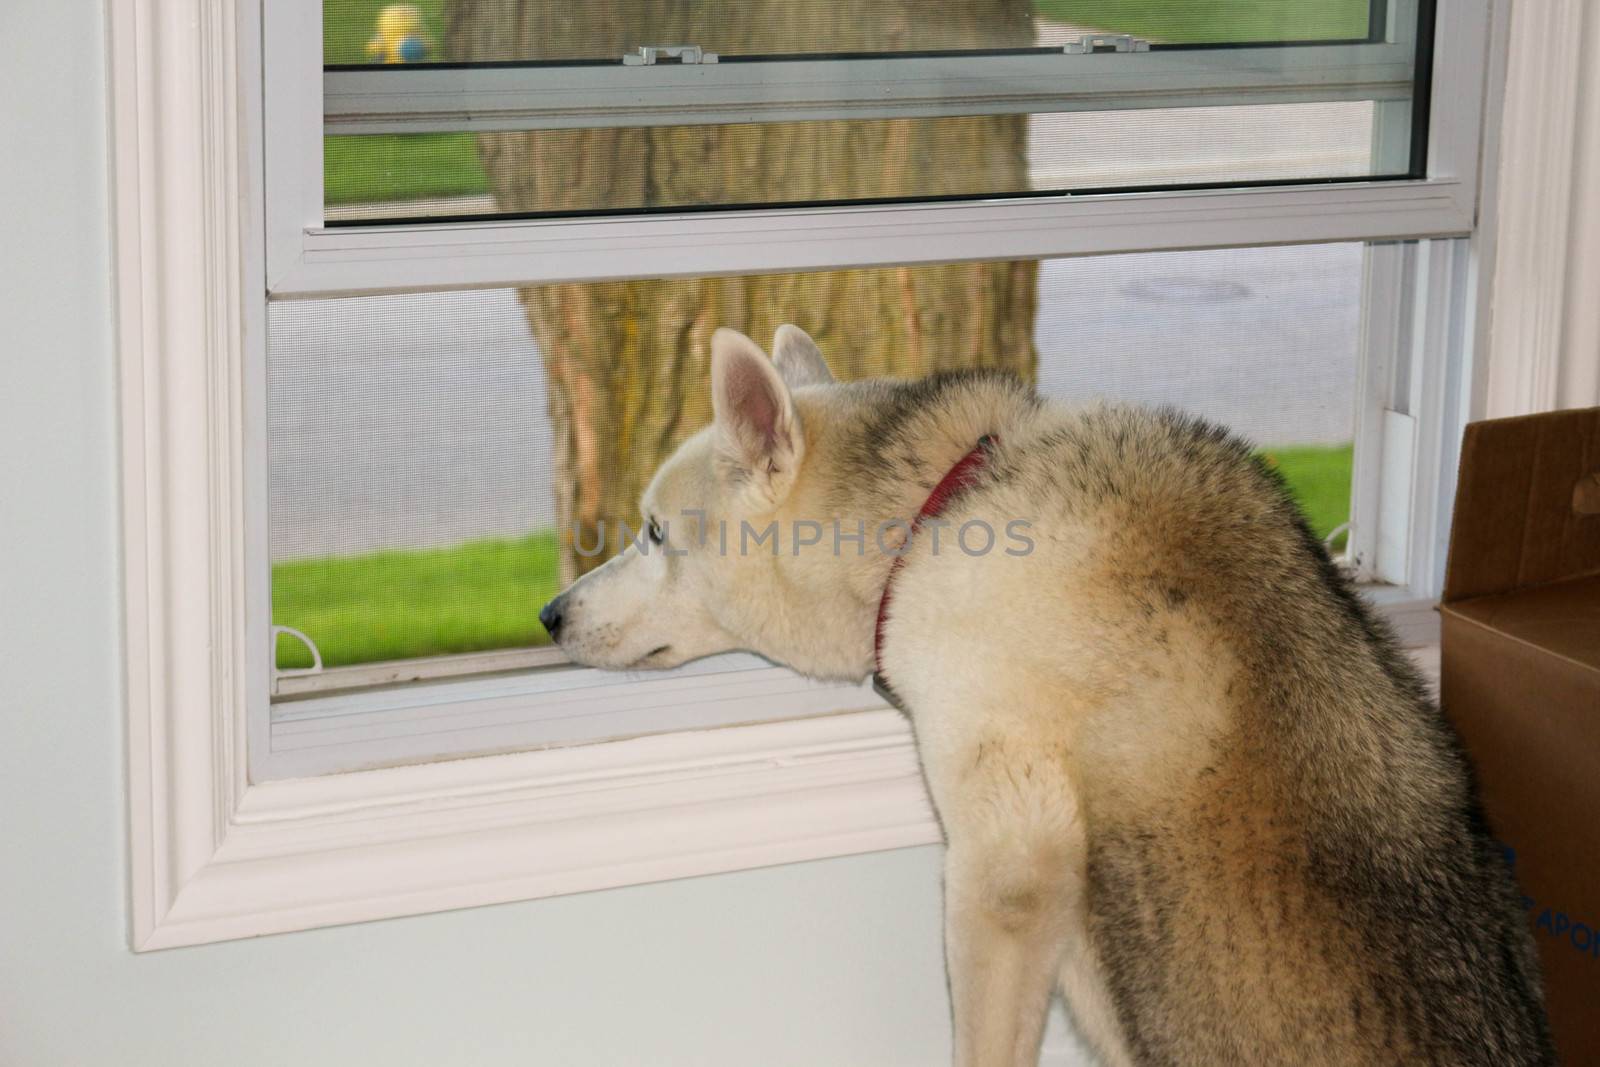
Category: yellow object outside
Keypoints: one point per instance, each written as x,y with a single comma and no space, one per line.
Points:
400,36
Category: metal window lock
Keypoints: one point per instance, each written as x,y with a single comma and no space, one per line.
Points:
647,55
1091,43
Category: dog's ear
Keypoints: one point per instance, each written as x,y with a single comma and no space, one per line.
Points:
759,433
798,359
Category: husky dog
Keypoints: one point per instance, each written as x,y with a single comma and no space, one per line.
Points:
1184,776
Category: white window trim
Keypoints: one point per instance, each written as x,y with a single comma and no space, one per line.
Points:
215,856
1544,327
350,261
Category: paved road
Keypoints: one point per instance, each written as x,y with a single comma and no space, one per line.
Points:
418,420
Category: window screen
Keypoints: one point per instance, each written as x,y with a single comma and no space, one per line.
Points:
371,32
434,457
530,108
426,176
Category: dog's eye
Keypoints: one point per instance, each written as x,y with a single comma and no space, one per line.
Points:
654,532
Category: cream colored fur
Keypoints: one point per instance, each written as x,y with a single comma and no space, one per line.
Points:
1107,698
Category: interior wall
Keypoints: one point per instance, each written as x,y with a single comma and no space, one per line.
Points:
1580,371
1542,213
837,962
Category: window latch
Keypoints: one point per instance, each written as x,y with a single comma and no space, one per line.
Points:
647,55
1091,43
291,672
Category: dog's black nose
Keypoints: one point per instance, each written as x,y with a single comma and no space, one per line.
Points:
550,615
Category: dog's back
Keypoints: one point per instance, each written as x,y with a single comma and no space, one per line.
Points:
1322,886
1284,860
1182,774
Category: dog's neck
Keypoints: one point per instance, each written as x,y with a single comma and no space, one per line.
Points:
910,437
903,439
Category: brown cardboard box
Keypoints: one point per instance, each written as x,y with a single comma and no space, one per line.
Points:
1520,678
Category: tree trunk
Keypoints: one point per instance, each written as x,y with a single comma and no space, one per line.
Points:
627,362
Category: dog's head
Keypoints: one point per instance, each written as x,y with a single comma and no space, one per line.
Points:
721,563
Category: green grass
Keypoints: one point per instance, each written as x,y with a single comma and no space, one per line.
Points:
1319,477
487,594
1215,21
423,602
383,168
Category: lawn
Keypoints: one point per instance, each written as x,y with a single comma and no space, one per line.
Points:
380,168
384,168
487,594
422,602
1215,21
1319,477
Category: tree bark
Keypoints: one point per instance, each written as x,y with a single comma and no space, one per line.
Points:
627,362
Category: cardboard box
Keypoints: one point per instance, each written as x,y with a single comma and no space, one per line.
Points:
1520,678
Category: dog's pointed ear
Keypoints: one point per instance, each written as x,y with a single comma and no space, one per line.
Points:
798,359
759,432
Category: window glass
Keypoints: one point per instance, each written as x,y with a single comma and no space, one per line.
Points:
436,459
470,109
430,176
371,32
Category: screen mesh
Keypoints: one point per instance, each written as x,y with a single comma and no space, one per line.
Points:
376,32
430,454
1230,92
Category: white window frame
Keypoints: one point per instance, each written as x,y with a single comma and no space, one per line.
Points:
216,855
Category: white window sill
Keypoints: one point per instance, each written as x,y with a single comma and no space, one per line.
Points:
472,716
311,852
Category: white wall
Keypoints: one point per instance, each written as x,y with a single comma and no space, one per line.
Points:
1580,369
831,963
1544,219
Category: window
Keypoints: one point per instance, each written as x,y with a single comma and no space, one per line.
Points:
434,457
377,452
418,490
826,102
511,112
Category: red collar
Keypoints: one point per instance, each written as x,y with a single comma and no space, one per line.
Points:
957,478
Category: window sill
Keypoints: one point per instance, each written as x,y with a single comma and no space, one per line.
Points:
311,852
473,716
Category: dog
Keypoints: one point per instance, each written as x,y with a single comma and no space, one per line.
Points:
1184,776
